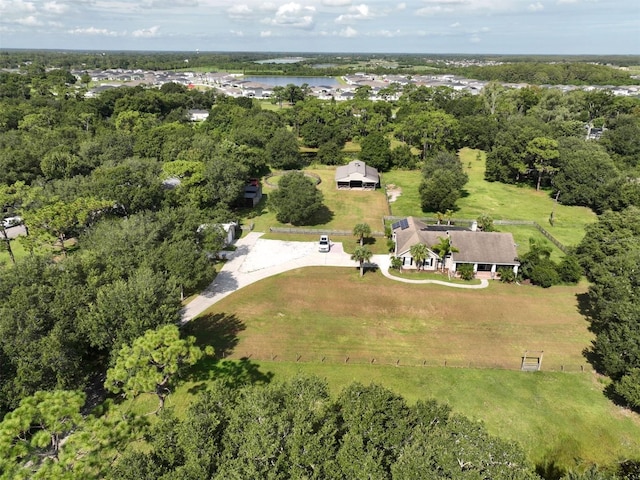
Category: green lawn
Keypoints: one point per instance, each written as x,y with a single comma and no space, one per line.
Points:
556,417
18,252
308,312
501,201
345,208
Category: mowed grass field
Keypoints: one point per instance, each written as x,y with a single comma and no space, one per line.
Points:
344,208
501,201
334,313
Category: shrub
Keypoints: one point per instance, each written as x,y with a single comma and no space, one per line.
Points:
396,263
507,275
466,271
544,274
569,269
628,387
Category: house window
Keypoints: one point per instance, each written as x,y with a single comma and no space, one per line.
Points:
484,267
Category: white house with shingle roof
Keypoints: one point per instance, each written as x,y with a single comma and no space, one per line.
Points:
357,175
486,251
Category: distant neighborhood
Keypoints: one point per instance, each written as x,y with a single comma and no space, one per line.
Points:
235,85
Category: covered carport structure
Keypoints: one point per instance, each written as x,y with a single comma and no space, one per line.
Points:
357,175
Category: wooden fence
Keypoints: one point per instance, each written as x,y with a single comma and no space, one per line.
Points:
319,231
489,363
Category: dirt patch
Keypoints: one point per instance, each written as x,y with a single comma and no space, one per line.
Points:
393,192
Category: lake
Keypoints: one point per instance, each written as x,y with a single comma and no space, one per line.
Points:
284,81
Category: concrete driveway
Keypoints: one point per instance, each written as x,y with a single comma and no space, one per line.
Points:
255,259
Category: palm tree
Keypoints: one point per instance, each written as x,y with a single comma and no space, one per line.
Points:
447,215
419,252
444,248
362,255
362,230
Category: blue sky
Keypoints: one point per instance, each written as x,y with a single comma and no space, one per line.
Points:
415,26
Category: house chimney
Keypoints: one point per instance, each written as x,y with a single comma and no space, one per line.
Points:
474,226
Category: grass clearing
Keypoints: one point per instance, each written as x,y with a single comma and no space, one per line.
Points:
560,417
308,312
18,250
501,201
345,208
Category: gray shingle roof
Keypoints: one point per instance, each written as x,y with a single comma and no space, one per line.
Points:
475,247
357,170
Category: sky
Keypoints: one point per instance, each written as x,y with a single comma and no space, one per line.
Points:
413,26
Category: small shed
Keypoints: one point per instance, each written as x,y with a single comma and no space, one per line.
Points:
252,193
357,175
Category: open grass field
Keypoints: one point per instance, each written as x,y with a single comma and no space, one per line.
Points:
561,418
501,201
345,208
334,313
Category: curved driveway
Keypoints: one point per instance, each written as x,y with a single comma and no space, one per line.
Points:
255,259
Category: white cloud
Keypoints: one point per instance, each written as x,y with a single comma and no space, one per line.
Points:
236,33
356,12
55,7
16,6
474,39
170,3
455,25
336,3
348,32
241,10
401,6
428,11
535,7
30,21
433,7
146,32
265,34
93,31
293,15
385,33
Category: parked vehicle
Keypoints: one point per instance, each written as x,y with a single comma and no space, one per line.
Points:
11,222
324,244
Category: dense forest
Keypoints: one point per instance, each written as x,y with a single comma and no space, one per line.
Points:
112,249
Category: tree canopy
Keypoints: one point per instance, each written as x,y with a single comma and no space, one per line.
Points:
296,200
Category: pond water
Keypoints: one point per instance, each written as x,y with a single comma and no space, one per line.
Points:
284,81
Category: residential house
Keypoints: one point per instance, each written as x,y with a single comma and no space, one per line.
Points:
486,251
197,115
